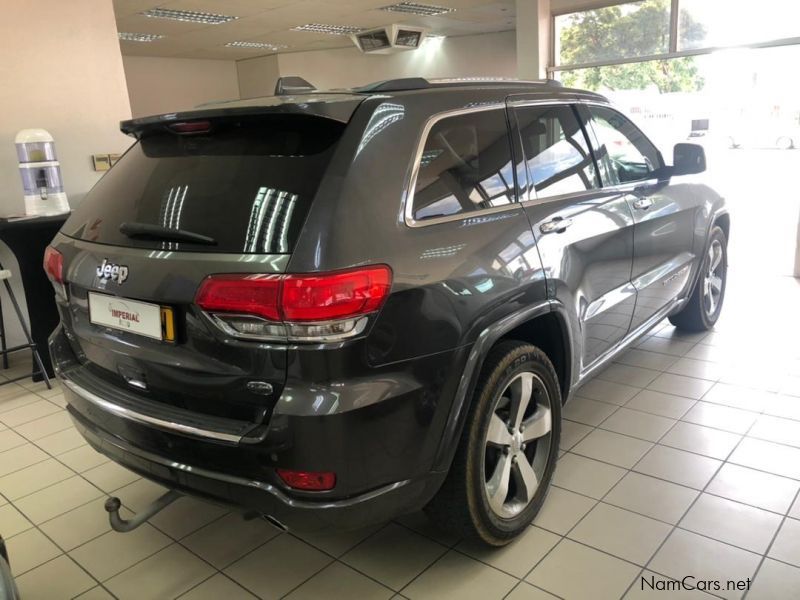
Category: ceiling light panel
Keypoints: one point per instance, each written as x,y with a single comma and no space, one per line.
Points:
415,8
256,45
331,29
139,37
188,16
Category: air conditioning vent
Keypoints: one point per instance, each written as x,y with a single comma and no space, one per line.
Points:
389,39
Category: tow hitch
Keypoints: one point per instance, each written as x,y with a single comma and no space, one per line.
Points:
113,505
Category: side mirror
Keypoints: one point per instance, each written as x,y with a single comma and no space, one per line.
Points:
688,159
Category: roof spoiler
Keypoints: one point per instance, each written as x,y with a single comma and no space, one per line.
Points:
286,86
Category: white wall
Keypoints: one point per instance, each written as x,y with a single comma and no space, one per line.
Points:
491,54
160,85
257,76
61,69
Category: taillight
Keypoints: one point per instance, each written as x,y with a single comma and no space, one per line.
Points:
54,268
308,480
335,295
54,265
319,306
251,294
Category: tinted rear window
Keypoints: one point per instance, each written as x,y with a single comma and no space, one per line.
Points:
248,184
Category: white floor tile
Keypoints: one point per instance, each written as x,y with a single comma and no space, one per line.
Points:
757,488
652,497
620,532
680,467
685,553
575,571
701,440
732,522
586,476
60,578
277,567
456,576
787,544
775,581
166,574
518,557
394,555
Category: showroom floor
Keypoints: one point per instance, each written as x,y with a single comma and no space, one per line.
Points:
683,458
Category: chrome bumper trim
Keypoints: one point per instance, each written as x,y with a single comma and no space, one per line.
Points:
278,494
132,415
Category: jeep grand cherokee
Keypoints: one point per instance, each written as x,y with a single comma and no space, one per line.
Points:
336,307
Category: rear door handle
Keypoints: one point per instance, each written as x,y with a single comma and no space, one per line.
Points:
557,225
643,203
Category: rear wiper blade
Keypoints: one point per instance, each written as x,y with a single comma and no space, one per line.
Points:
160,233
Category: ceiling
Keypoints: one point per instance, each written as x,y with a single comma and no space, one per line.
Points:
271,21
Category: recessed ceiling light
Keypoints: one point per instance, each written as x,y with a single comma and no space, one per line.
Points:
190,16
332,29
415,8
139,37
256,45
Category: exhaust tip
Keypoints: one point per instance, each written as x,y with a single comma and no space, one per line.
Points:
273,521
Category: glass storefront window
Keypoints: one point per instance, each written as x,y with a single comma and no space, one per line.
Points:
715,23
628,30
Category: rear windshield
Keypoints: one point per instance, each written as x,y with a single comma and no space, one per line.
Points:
247,184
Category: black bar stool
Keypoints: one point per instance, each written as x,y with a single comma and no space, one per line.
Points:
5,275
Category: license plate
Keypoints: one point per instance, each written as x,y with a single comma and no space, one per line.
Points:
142,318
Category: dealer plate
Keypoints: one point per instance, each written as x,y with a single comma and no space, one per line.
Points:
143,318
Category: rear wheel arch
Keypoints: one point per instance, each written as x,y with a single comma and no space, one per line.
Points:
724,223
535,326
549,333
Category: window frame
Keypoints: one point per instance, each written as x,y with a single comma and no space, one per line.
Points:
518,145
408,202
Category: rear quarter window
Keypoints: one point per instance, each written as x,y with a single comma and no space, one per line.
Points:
246,183
465,166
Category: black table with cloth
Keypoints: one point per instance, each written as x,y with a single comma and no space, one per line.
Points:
27,239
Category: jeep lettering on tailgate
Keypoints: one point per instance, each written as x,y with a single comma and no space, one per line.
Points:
107,270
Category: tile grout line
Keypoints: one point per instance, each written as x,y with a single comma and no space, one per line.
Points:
686,512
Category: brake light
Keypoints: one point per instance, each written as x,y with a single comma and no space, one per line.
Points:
54,265
191,127
301,307
308,480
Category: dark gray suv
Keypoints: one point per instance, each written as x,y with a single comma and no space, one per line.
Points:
332,308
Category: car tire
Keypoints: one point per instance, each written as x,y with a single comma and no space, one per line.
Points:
473,502
705,304
784,143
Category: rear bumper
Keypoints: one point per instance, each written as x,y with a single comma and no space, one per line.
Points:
381,453
375,506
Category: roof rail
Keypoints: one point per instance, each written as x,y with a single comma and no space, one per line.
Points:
420,83
286,86
499,80
395,85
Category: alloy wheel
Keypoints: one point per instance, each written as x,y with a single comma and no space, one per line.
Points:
517,446
712,283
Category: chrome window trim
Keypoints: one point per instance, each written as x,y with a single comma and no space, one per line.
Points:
408,203
517,100
132,415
